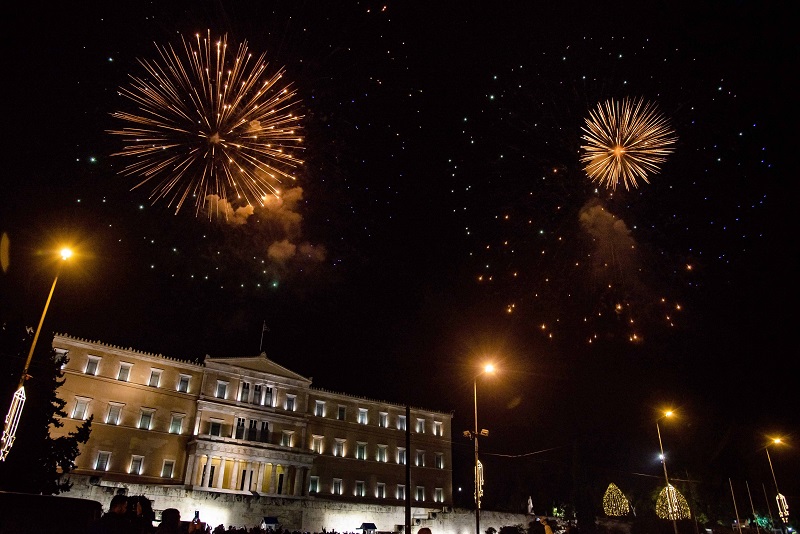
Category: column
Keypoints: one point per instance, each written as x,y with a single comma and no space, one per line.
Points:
235,475
187,475
272,479
248,476
198,462
206,472
260,481
297,490
221,475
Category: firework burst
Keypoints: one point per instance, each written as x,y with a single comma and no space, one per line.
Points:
625,141
209,124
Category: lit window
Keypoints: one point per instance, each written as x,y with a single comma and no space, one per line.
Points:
215,428
380,490
341,413
183,383
81,407
420,459
338,447
269,397
401,492
136,465
316,444
92,364
361,451
244,393
438,495
362,416
439,461
167,469
222,389
359,488
401,456
401,422
114,412
291,400
103,458
383,420
313,485
146,418
176,423
337,486
258,392
319,408
381,453
420,426
124,372
155,378
437,428
286,438
420,495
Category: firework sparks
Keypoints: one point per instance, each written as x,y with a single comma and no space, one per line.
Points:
625,141
209,123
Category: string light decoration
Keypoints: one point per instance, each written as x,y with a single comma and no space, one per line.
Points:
615,504
672,505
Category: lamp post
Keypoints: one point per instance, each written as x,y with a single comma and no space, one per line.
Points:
783,507
488,368
670,494
18,400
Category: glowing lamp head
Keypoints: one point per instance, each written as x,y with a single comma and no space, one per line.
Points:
65,253
488,368
668,413
777,441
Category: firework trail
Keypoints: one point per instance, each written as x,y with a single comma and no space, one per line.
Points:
625,141
209,124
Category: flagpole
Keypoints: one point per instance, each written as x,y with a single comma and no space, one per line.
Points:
263,329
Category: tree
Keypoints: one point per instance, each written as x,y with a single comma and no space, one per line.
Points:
37,463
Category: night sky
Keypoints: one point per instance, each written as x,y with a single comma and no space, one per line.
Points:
442,218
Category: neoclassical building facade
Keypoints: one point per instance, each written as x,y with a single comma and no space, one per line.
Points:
250,426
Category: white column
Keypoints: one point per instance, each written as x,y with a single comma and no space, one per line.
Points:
206,472
221,474
272,478
260,480
187,475
248,480
235,475
298,481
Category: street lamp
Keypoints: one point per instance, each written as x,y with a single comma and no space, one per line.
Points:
783,508
672,498
487,369
18,400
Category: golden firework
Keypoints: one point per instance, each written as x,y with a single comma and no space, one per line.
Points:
209,125
625,141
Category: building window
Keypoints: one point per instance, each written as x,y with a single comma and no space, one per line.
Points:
291,401
316,444
222,389
244,393
155,378
361,451
258,392
401,422
92,364
81,408
438,495
337,486
114,412
269,397
319,408
136,464
215,428
401,455
103,458
439,461
381,457
176,423
167,469
124,372
341,413
239,432
338,447
313,485
383,420
401,492
362,416
437,428
420,426
286,438
359,488
183,383
380,490
420,459
420,493
146,418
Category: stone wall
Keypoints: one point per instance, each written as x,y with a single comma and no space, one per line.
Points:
295,514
